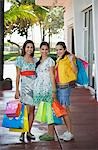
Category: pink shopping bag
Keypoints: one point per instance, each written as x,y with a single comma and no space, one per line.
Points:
85,63
13,108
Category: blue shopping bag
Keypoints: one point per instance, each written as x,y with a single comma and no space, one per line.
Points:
57,120
82,78
25,124
14,122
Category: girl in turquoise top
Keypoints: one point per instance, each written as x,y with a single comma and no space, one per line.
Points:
25,68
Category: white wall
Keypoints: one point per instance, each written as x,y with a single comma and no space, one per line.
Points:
68,21
74,17
79,6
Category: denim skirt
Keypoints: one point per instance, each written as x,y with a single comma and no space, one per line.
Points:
63,95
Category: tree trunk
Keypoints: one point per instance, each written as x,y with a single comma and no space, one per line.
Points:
49,37
26,33
41,31
1,40
43,36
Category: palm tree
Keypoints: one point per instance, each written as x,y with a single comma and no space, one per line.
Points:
1,40
41,13
19,16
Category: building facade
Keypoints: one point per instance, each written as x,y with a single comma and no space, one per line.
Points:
81,32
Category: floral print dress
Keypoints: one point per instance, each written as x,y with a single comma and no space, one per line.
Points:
27,79
42,85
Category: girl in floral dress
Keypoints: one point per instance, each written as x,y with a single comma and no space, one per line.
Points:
25,68
44,87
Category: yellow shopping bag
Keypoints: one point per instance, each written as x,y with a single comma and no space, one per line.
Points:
26,123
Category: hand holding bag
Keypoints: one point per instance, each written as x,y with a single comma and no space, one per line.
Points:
59,110
13,108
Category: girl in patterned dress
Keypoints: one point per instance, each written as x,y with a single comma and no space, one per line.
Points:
25,68
44,87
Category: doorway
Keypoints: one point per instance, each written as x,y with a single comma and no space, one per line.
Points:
89,45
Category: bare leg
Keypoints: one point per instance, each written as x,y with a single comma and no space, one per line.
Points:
31,116
51,129
31,110
67,120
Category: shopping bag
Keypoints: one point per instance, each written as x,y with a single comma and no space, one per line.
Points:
85,63
25,123
57,121
49,113
14,122
59,110
82,78
41,112
13,108
44,113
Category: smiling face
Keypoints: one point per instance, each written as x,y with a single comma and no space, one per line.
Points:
44,50
60,50
29,49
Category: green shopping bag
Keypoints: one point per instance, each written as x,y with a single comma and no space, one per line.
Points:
44,113
41,112
49,113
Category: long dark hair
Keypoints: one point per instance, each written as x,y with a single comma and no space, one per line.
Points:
24,46
64,46
42,43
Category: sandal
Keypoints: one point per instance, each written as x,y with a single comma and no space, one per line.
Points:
46,137
30,136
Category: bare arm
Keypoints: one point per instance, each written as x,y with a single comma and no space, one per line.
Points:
52,76
17,94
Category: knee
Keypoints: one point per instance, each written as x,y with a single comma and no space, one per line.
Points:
31,109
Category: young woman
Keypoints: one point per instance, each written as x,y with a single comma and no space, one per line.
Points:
65,75
44,87
25,68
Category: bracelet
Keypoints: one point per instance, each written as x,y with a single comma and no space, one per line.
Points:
53,91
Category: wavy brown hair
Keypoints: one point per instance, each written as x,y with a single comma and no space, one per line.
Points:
24,46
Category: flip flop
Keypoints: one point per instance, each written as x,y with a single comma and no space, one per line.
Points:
46,137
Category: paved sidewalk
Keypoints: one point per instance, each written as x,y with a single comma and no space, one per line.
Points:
84,119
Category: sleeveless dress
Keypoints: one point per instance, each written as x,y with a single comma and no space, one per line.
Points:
28,76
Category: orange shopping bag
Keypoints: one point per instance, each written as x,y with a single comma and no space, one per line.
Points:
59,110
